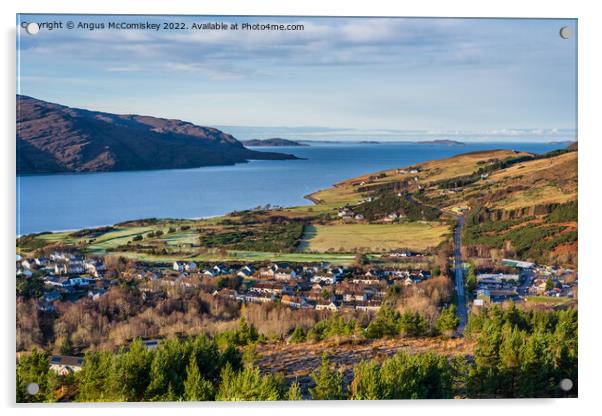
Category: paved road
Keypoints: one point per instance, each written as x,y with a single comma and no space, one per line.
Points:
459,283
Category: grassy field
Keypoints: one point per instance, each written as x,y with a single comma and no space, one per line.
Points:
374,237
245,256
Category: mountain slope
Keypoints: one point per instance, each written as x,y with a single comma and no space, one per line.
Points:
516,204
56,138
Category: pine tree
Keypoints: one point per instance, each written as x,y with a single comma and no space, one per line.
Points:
294,392
248,384
535,368
483,378
329,382
196,388
131,377
448,320
250,356
95,378
297,336
34,368
509,365
208,357
412,324
366,384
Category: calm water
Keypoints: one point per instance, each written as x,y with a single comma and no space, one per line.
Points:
61,202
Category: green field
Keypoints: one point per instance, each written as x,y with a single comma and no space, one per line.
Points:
374,237
245,256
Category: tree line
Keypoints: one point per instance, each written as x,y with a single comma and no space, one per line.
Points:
517,354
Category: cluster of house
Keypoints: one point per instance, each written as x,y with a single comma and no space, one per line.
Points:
551,281
496,287
320,287
529,280
65,274
347,214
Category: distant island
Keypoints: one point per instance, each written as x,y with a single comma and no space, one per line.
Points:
369,142
276,141
562,142
442,141
53,138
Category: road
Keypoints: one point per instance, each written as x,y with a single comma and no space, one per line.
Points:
459,272
526,280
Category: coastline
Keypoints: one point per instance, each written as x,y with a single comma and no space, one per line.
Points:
211,170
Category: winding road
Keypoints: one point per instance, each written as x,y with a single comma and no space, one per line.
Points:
459,273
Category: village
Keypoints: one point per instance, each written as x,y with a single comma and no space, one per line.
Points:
69,276
528,281
320,286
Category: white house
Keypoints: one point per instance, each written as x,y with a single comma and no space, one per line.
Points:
64,365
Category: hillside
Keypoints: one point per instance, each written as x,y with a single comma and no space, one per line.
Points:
276,141
516,203
56,138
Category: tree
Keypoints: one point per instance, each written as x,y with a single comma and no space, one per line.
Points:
250,356
248,384
196,388
66,347
131,375
483,378
442,257
471,279
297,336
536,370
34,368
246,333
448,320
417,376
412,324
386,323
30,287
366,384
208,358
169,360
329,382
509,365
294,392
95,378
550,284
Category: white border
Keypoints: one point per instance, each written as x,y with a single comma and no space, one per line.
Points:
589,168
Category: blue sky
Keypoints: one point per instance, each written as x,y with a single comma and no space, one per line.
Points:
479,79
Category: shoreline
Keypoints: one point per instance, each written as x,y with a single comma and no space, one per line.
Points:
309,197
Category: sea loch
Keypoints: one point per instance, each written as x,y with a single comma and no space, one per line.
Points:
73,201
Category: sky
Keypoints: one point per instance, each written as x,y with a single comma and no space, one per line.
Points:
349,78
